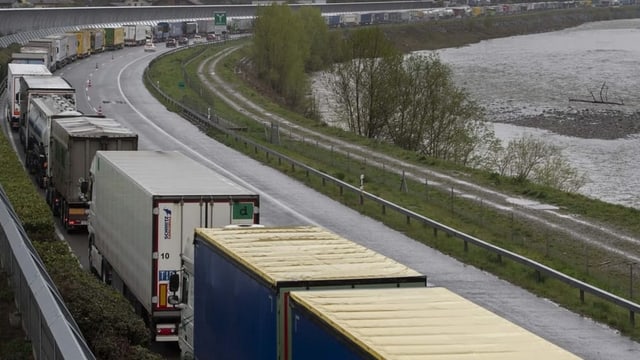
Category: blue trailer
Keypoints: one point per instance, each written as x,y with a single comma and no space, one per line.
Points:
418,323
243,276
333,21
175,30
380,18
366,19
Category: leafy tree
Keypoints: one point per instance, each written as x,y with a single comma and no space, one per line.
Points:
316,37
280,52
434,117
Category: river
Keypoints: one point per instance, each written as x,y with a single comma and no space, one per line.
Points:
533,74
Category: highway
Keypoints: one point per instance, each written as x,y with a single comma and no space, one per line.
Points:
117,88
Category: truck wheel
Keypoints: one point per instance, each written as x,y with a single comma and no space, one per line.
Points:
106,272
62,213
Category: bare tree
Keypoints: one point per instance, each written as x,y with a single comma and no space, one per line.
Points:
360,82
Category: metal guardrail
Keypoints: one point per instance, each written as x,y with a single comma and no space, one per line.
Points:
541,269
45,318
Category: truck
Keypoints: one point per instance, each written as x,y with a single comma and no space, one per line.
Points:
60,44
189,28
72,47
206,26
160,32
42,110
45,44
113,38
175,30
417,323
97,40
37,56
333,21
135,35
83,38
73,144
14,73
243,277
144,208
32,87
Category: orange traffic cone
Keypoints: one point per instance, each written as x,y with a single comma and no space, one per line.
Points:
100,110
89,83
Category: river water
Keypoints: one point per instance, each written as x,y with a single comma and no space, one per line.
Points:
530,74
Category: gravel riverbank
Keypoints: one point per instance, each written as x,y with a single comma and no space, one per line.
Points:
606,124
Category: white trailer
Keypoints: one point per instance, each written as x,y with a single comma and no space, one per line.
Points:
135,35
14,73
72,47
61,46
48,45
144,208
37,57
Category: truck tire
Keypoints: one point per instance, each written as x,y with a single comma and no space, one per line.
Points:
91,268
106,272
63,214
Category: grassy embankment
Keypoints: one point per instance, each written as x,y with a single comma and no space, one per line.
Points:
550,247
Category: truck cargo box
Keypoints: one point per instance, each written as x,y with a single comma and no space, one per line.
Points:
243,277
35,57
35,49
46,44
61,47
97,40
83,38
426,323
14,73
144,208
37,86
72,50
43,108
136,34
113,38
74,142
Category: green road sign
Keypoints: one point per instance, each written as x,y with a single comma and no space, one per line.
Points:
220,18
181,84
242,211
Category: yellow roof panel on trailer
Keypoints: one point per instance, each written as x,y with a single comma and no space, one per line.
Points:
423,323
302,253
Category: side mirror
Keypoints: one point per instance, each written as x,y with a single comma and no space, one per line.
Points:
84,186
174,282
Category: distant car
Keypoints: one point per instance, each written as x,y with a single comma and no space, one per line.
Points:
211,37
171,43
183,41
149,46
197,39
